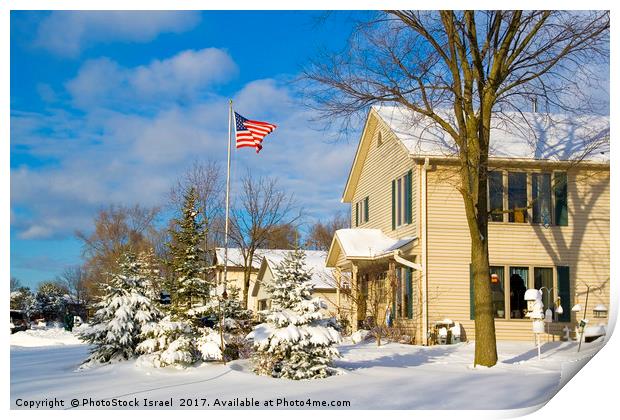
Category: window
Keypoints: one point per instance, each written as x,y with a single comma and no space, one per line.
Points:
547,196
403,299
496,196
518,285
541,199
497,292
517,197
543,277
560,191
401,200
508,293
361,211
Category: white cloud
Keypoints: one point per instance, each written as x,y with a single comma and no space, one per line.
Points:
67,33
184,76
113,157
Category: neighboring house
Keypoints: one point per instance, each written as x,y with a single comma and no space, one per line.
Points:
549,227
323,279
236,266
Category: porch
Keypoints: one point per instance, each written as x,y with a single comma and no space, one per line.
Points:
381,277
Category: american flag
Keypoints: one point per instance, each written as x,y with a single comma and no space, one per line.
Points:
251,133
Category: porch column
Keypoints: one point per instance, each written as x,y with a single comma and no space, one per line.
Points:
338,275
391,278
354,297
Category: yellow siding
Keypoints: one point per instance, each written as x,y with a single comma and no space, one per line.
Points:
583,245
381,165
234,278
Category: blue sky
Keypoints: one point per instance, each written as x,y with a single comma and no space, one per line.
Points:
111,107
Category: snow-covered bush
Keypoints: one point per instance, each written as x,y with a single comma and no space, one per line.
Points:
295,342
178,343
23,300
50,300
124,309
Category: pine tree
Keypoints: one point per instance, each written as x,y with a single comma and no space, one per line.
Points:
188,260
151,275
295,342
122,312
179,338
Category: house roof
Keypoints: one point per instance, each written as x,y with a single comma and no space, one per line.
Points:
521,136
363,244
320,276
235,256
514,135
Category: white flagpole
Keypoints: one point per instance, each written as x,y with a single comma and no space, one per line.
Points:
221,298
230,110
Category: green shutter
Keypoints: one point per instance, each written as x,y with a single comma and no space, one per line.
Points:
357,213
409,286
366,209
393,204
564,292
408,198
472,309
560,190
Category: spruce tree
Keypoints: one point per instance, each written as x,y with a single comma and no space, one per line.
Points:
179,338
188,260
122,312
295,342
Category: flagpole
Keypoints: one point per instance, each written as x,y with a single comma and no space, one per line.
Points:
220,299
227,195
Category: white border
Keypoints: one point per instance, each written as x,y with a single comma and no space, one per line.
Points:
591,393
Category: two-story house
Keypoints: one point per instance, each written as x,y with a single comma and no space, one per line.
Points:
548,225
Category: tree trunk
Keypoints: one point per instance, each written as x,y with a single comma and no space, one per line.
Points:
246,285
486,350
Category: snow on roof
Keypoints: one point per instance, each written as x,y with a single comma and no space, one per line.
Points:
321,276
366,243
235,256
516,135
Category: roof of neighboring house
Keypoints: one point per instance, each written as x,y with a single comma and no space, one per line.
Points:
320,276
365,243
235,256
514,135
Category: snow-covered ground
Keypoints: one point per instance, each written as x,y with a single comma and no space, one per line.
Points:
44,337
394,376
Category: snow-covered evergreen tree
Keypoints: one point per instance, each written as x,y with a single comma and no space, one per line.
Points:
295,342
179,338
51,300
23,300
122,312
150,274
188,260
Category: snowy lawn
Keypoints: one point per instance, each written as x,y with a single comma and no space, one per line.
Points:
394,376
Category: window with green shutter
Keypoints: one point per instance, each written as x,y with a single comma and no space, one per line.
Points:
402,200
560,192
366,210
564,292
393,204
409,292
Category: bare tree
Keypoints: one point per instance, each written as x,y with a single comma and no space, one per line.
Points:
321,233
117,229
15,284
206,179
75,280
457,70
283,236
260,207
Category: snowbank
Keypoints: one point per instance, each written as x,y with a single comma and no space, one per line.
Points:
45,338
